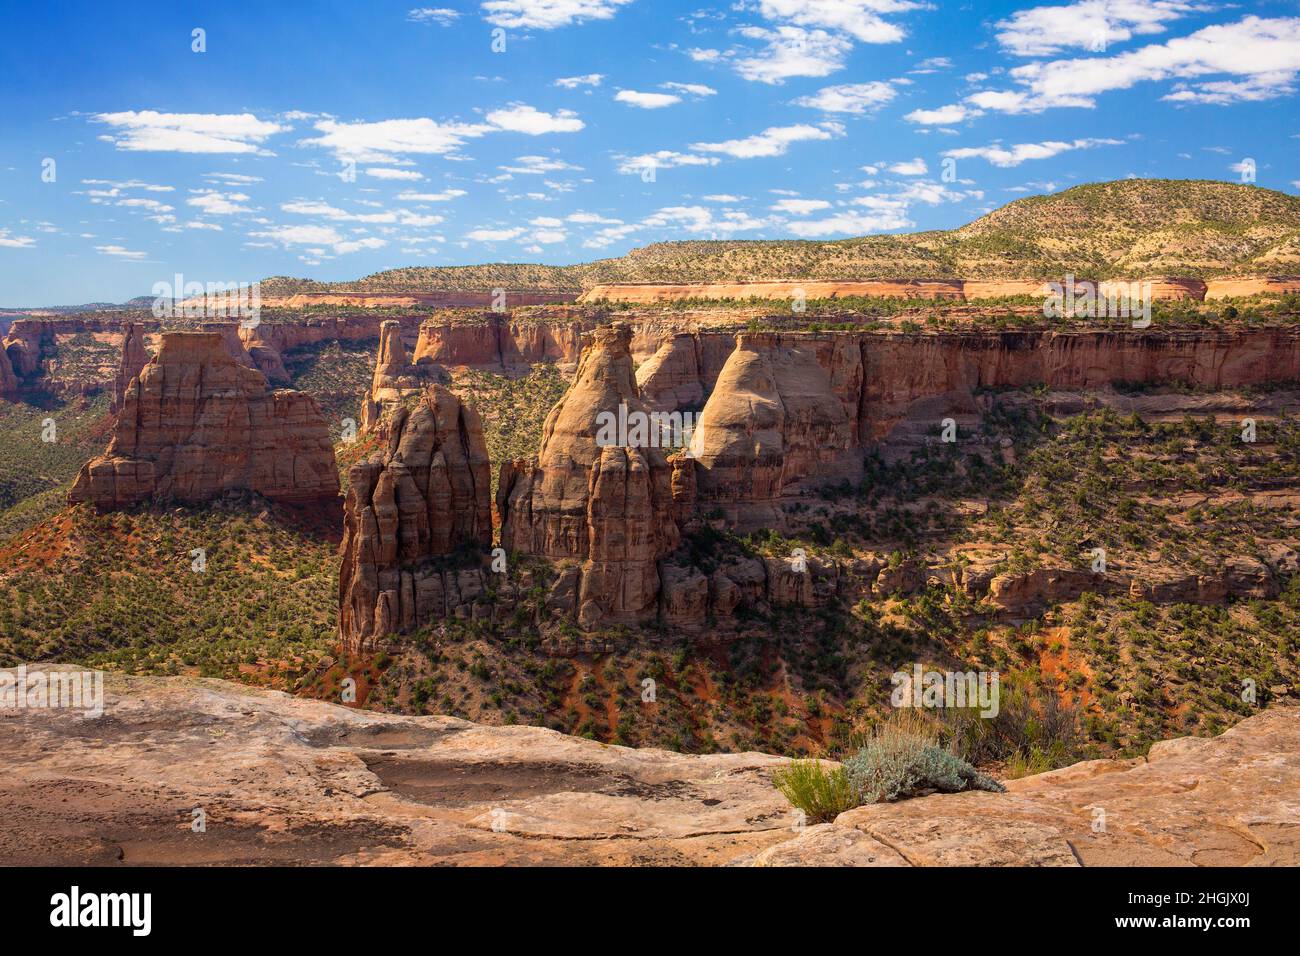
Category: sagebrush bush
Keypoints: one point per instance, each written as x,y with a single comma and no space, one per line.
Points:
899,763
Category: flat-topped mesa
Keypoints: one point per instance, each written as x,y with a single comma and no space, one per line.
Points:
598,497
426,496
1161,288
783,414
194,424
395,380
134,358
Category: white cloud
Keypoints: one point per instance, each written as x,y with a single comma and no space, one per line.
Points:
440,15
380,141
663,159
547,14
915,167
1088,24
445,195
318,236
943,116
148,130
723,198
792,51
932,65
538,166
587,218
1015,155
849,97
522,118
119,252
230,179
647,101
800,207
850,223
1265,52
495,235
10,241
203,225
573,82
773,141
215,203
387,172
860,19
691,89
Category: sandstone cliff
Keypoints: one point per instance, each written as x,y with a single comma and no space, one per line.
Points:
1163,288
134,358
610,507
195,424
784,409
502,342
8,380
425,496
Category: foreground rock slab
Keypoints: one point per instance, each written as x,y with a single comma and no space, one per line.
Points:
287,780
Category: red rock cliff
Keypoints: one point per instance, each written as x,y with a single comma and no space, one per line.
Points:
424,497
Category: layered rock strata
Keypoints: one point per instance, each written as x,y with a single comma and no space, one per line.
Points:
134,358
1164,288
194,424
607,505
784,409
425,496
395,379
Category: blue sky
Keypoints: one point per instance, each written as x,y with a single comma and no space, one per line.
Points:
333,140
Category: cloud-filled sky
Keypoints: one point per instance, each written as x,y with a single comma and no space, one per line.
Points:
367,136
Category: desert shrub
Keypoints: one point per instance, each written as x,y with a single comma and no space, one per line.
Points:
821,793
904,759
1034,730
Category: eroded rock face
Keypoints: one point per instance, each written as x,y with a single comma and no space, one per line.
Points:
8,380
426,496
608,506
134,358
24,342
929,376
194,424
395,379
784,411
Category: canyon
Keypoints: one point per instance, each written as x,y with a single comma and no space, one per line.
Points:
782,416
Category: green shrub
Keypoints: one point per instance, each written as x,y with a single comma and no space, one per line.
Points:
821,793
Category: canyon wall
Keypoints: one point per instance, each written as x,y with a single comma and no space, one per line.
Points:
194,424
781,414
501,341
403,300
8,380
1165,288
